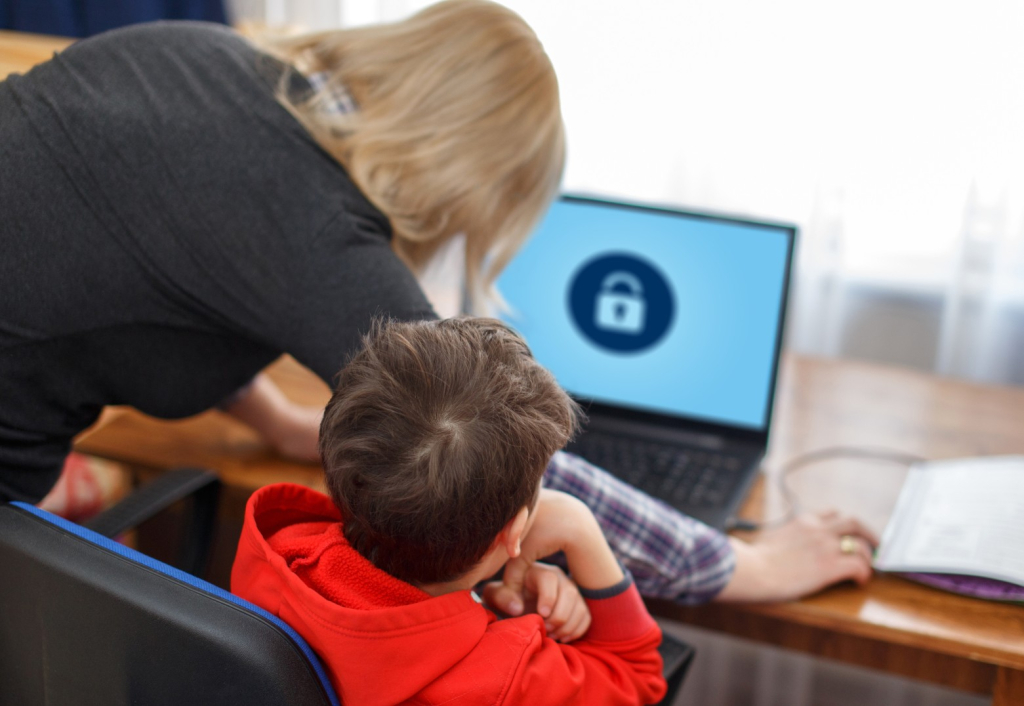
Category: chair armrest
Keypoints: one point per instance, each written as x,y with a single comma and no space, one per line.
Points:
150,499
676,656
201,485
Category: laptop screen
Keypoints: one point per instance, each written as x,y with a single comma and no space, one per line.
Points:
654,310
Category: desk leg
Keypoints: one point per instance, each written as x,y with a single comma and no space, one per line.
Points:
1009,689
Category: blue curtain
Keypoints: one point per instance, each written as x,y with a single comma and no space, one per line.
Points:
81,18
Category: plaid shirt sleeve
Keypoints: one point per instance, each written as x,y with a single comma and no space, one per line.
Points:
669,554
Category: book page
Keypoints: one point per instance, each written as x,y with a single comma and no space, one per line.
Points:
960,517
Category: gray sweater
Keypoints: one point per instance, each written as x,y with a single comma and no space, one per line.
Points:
167,229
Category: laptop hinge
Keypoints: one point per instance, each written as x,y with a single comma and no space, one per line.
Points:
712,442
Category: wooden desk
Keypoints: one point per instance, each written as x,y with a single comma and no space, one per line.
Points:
19,51
891,624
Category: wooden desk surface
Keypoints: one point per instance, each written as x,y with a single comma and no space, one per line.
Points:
891,624
19,51
211,440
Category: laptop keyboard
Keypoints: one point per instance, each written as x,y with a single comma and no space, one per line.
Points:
677,475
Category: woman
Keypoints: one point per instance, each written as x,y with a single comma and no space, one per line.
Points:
179,208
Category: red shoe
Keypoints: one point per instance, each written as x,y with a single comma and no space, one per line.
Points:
87,486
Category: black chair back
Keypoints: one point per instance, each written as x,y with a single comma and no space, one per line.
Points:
85,621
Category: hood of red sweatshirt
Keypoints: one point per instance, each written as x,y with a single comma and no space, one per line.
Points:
394,639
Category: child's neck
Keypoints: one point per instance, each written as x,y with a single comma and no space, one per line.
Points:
486,568
440,589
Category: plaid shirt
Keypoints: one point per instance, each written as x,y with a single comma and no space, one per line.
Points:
669,554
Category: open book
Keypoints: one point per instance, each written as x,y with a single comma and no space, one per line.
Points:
959,525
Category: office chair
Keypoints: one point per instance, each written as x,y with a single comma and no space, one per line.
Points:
85,621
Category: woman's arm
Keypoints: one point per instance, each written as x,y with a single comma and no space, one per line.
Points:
670,555
675,557
292,429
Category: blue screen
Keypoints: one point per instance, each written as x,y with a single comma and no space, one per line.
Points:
653,310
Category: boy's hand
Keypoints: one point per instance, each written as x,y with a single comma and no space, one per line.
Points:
561,523
547,591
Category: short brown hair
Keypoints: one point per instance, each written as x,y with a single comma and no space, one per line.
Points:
437,434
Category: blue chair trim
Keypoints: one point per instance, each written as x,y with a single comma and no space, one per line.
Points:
132,555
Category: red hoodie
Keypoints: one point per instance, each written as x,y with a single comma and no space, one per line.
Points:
384,641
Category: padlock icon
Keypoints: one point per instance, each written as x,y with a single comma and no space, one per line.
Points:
622,311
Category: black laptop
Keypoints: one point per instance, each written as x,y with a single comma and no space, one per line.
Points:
666,326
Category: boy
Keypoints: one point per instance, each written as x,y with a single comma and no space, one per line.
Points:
434,445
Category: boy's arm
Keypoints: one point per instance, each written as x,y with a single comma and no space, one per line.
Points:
617,661
615,670
563,523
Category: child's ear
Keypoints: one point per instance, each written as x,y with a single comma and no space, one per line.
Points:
514,532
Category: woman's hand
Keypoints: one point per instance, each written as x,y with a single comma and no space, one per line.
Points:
799,558
546,591
296,433
292,429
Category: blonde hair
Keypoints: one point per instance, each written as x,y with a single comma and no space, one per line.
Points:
457,128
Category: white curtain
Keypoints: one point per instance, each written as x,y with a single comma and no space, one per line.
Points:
890,131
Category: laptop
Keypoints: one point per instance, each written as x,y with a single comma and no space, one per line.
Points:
666,325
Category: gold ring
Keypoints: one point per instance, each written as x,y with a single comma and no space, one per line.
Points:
848,544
